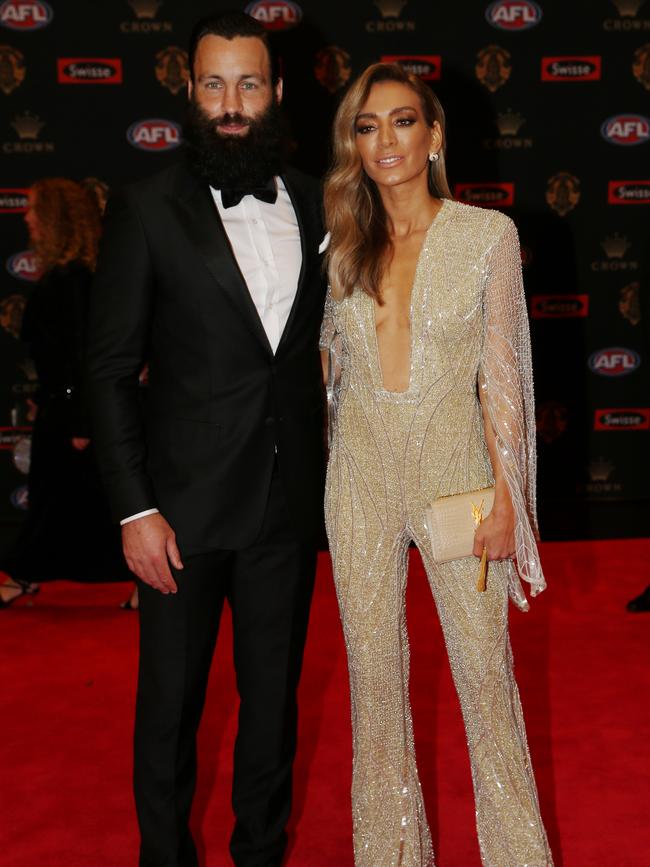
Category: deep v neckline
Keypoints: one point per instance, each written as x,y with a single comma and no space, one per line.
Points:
379,373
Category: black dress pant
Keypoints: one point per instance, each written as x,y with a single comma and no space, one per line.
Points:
269,587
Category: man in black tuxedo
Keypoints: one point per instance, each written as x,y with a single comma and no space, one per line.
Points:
210,271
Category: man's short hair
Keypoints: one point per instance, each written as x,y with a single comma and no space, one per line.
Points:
229,25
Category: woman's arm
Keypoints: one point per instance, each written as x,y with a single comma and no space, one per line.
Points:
325,364
330,353
497,532
505,383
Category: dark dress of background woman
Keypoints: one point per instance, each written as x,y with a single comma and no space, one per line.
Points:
67,533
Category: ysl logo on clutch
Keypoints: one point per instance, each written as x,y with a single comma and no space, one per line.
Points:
477,515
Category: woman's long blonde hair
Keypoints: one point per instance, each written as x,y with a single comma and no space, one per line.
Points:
69,224
360,245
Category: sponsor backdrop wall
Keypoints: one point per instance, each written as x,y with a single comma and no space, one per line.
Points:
548,110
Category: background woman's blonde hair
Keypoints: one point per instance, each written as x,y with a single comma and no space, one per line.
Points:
360,245
69,224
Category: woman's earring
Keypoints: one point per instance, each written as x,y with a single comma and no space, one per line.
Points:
434,157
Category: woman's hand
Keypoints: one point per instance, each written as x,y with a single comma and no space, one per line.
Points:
497,532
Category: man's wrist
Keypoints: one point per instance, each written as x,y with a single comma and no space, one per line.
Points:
138,515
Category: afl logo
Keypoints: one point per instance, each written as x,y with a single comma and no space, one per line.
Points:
23,266
622,419
19,498
154,134
626,129
614,361
89,70
17,15
275,14
497,195
513,14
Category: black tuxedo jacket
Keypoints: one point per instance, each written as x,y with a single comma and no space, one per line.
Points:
220,404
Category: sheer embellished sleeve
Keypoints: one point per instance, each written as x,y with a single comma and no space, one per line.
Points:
330,342
506,383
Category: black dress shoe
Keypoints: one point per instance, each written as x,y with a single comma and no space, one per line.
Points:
640,603
26,589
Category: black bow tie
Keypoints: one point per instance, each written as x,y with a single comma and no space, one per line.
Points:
268,192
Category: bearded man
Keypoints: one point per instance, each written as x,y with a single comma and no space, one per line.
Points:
210,271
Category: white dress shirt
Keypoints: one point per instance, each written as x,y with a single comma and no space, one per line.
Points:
265,241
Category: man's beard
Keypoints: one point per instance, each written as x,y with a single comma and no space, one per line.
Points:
233,161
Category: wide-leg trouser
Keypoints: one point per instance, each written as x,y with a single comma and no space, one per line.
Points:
370,522
390,826
268,586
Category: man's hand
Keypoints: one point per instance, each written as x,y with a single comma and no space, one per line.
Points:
80,443
149,545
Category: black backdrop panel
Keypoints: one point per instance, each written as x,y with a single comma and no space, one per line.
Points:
548,113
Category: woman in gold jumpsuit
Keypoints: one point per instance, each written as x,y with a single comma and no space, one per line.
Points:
426,342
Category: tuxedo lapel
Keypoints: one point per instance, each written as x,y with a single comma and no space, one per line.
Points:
305,215
199,219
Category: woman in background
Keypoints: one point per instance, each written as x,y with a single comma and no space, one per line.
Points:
427,339
67,532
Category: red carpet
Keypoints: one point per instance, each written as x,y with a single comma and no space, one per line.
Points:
583,663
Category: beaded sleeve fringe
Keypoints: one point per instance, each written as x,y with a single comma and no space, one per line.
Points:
506,382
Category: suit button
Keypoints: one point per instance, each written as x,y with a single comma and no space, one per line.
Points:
269,420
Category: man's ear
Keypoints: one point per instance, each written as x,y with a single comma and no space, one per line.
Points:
278,90
190,88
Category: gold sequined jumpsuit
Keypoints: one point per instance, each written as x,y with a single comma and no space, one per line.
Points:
391,454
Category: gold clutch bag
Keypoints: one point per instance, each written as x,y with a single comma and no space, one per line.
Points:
452,522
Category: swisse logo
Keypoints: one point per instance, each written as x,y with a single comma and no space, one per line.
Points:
513,14
628,192
559,306
614,361
18,15
497,195
13,200
626,129
622,419
275,14
426,66
24,266
571,68
89,70
154,134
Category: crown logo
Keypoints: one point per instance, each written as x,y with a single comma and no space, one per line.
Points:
600,469
510,122
615,246
27,126
628,8
390,8
145,8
